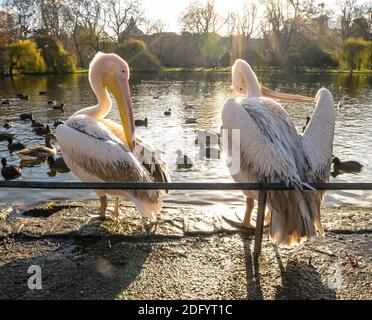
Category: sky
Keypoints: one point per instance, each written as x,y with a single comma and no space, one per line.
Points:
169,11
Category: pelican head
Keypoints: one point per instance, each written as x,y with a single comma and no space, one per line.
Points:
112,72
245,83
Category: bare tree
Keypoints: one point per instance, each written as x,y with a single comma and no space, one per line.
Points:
153,26
123,16
56,17
243,23
349,12
201,19
89,17
283,19
25,12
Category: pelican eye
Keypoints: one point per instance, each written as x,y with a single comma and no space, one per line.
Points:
123,71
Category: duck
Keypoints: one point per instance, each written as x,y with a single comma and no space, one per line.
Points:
168,112
5,136
191,120
58,123
51,102
43,93
26,116
307,123
5,102
58,165
346,166
10,172
7,124
22,96
39,152
155,96
14,146
41,131
59,106
183,161
189,106
35,124
141,123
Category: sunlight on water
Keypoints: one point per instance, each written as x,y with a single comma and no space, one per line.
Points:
207,93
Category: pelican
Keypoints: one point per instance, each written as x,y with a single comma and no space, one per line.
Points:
99,150
272,150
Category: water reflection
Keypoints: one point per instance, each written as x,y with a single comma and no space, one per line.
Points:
188,95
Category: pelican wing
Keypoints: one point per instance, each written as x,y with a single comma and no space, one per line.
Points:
269,144
318,137
91,150
151,158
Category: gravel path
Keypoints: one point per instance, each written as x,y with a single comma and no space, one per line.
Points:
192,254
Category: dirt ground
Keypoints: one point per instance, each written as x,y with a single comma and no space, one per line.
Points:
192,254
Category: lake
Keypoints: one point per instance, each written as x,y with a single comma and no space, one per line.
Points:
207,92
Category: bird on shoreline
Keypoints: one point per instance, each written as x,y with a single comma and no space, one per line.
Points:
168,112
10,172
271,150
39,152
14,146
5,102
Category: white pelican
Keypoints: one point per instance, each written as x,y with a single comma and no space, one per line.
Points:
272,149
99,150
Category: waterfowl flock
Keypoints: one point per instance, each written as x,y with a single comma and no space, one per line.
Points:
31,155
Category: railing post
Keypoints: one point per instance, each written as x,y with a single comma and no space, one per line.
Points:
260,221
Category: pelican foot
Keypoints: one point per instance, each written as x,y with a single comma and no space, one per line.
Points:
239,224
113,213
150,226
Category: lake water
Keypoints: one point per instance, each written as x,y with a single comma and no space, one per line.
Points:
207,92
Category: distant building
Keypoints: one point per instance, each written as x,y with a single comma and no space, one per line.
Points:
131,31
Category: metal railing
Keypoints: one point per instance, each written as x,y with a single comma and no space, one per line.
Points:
263,188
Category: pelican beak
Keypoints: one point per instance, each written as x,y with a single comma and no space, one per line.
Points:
285,96
120,89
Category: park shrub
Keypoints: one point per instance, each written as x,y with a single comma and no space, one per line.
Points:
27,57
138,56
57,59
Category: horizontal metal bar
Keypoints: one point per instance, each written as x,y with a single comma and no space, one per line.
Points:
176,186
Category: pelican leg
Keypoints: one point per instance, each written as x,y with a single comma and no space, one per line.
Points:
246,223
103,201
117,209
